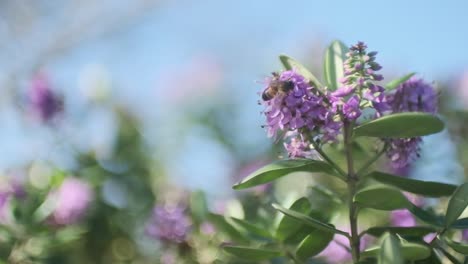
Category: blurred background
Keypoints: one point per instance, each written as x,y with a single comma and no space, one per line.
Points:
117,114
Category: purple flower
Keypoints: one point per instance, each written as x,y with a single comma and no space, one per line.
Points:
402,218
72,200
351,108
413,95
403,151
44,103
360,68
299,148
169,223
465,235
298,107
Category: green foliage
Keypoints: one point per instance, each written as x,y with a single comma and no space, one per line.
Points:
307,220
282,168
414,231
461,248
333,69
381,198
292,64
313,244
457,204
395,83
287,225
426,188
401,125
408,250
253,254
390,251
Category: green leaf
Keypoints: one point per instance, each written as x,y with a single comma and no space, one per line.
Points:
426,188
457,204
252,229
401,125
290,63
390,252
415,231
223,225
198,205
288,226
432,259
281,168
253,254
409,251
426,216
313,244
461,223
308,220
381,198
395,83
335,55
461,248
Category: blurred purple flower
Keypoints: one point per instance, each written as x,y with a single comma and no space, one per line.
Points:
338,249
465,235
169,223
72,200
403,217
44,103
413,95
299,108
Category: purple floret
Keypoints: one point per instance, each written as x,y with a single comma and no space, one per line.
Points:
169,223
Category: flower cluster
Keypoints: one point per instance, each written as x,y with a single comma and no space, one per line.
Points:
296,106
44,103
169,223
72,200
360,70
304,114
414,95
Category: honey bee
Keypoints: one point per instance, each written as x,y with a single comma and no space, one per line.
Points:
276,86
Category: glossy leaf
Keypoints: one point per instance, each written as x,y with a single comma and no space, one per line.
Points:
290,63
335,55
281,168
427,188
426,216
390,252
401,125
409,251
253,254
395,83
305,219
415,231
381,198
313,244
457,204
461,248
251,228
287,225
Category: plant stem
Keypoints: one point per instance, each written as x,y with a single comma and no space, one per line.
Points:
371,161
330,161
352,180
